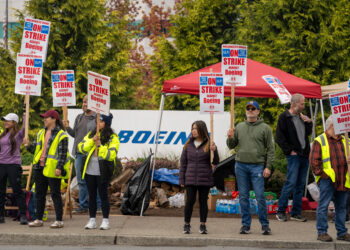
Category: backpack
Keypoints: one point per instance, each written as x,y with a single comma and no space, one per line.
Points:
31,208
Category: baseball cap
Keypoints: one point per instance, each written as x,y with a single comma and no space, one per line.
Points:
51,113
253,103
10,117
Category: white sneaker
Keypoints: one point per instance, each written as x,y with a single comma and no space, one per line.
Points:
91,224
104,224
57,224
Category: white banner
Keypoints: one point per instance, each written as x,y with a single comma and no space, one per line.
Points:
28,74
98,93
340,106
35,37
280,90
234,64
136,130
63,88
211,90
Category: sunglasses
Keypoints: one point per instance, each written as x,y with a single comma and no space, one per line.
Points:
250,109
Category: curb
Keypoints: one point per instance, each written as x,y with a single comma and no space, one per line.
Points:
56,239
195,241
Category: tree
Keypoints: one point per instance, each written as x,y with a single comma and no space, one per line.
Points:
83,36
199,28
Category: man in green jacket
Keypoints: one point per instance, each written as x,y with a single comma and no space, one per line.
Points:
254,157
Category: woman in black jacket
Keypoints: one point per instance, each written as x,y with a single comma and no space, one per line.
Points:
196,172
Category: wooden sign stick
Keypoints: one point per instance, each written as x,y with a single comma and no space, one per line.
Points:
232,112
97,131
26,128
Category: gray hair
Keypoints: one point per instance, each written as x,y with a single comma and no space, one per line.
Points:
329,122
296,98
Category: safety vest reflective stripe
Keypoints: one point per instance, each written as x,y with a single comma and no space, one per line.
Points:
109,152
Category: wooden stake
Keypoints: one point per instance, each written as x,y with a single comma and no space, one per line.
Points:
68,195
97,131
211,136
26,128
65,113
232,113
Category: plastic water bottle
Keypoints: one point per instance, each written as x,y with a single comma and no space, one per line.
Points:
217,208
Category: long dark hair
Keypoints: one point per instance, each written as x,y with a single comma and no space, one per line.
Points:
12,137
106,133
202,133
60,124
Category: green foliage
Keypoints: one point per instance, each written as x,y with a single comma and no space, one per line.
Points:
200,27
27,158
83,36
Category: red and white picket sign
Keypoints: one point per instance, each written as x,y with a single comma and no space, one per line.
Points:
63,88
35,37
29,71
280,90
234,64
99,97
211,90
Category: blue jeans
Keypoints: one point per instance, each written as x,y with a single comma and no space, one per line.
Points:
246,174
83,191
327,192
296,178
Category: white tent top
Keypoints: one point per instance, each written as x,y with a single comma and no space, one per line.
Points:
329,89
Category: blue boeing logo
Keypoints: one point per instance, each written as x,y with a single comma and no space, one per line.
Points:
147,136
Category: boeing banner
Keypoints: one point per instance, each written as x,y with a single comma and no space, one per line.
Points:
137,130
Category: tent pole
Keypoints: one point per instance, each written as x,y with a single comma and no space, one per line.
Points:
312,118
161,107
312,138
322,113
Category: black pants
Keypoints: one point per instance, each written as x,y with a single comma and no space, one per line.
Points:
93,183
191,192
41,184
14,173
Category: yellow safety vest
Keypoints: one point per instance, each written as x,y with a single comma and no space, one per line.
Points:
326,159
52,156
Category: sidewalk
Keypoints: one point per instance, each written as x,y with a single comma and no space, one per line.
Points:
167,231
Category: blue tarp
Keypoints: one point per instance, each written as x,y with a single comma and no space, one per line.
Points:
167,175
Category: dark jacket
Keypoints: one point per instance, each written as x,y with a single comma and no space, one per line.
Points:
195,166
287,138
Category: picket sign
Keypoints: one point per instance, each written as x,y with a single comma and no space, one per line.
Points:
340,106
277,86
211,98
99,97
35,37
63,90
234,69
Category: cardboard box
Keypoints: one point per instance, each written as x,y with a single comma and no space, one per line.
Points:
212,201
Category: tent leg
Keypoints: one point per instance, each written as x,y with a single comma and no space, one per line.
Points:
312,138
312,118
161,107
322,113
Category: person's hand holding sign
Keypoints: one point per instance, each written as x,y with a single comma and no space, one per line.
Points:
231,132
97,140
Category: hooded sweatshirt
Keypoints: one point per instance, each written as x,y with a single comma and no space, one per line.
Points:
255,144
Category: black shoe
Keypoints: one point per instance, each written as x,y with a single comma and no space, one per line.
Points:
298,217
2,219
266,230
203,229
80,210
187,228
245,230
281,217
345,237
23,220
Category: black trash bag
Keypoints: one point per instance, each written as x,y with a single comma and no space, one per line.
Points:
223,170
137,190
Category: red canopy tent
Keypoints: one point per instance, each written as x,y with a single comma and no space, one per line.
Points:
256,86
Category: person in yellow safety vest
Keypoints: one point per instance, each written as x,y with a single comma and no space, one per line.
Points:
98,170
50,163
329,163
